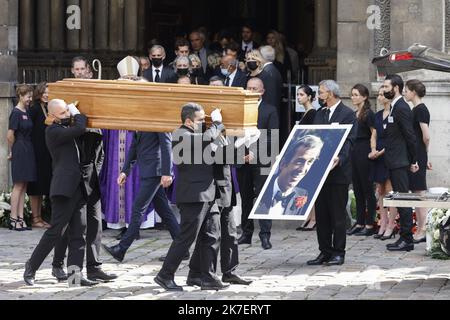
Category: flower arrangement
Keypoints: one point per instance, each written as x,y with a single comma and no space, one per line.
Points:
435,218
5,209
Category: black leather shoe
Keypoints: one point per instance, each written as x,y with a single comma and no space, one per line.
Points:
29,274
214,285
354,230
245,240
88,283
335,261
59,274
402,246
395,244
99,274
169,285
191,281
319,260
186,257
235,279
265,244
115,252
365,232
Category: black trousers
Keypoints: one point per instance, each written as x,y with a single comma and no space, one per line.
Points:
366,203
68,216
331,219
197,222
93,234
251,183
400,183
229,254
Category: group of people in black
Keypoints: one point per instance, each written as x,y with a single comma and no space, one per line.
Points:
206,194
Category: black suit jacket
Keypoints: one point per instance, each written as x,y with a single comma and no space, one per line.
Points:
168,75
342,174
61,144
241,53
400,138
153,153
273,84
195,181
240,80
91,159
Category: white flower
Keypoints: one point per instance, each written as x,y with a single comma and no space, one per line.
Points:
2,212
436,234
5,206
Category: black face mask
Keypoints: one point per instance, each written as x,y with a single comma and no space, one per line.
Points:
322,103
183,72
195,72
390,95
157,62
67,122
252,65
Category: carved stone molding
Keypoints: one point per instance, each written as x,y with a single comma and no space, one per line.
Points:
383,35
447,25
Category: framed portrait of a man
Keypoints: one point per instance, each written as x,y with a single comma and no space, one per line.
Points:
295,181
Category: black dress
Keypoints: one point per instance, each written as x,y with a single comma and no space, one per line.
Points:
23,164
380,171
418,180
308,117
43,159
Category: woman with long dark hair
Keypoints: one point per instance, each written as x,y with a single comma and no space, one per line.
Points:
366,202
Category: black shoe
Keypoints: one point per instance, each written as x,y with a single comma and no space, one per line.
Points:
99,274
235,279
395,244
214,285
245,240
388,237
115,252
169,285
186,257
402,246
354,230
365,232
424,239
59,273
88,283
378,236
335,261
321,259
29,274
265,244
192,281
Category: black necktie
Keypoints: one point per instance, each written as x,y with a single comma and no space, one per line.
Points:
327,115
284,200
157,77
227,82
245,49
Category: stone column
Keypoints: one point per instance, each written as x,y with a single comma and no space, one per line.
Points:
333,24
58,24
131,25
101,24
27,21
87,24
43,25
72,35
141,25
9,16
116,13
322,22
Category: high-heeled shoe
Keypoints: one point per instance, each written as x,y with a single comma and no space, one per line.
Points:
22,222
378,235
392,235
13,223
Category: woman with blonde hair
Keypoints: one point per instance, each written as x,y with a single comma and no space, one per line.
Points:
197,75
254,62
282,59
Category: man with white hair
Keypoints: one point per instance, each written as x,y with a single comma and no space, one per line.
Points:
198,39
232,75
67,193
157,72
271,77
332,201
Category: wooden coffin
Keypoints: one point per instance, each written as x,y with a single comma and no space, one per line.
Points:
143,106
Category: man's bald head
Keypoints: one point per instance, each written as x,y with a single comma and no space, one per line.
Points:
256,85
58,109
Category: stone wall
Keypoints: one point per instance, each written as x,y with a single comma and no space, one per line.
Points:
8,76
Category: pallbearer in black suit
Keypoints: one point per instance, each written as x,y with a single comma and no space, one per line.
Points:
332,201
158,72
195,197
400,155
153,153
67,192
250,176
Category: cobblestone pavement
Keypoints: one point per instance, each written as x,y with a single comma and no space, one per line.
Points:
370,272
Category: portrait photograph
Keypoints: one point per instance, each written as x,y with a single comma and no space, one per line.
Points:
296,179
